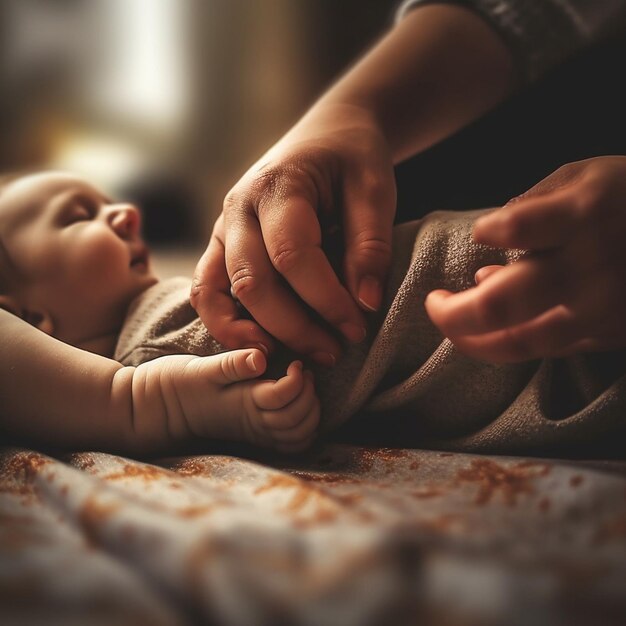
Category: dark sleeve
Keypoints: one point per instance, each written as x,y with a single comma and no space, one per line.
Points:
542,33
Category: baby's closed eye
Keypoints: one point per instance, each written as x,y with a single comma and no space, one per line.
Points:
77,210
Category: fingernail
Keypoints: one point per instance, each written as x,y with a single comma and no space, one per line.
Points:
370,293
324,358
259,346
353,332
250,362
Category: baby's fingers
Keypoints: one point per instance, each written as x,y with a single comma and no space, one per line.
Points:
231,367
273,395
303,431
291,415
292,427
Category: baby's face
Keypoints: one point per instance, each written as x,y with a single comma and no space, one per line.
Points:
73,252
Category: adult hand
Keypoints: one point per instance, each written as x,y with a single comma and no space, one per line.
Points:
331,174
568,295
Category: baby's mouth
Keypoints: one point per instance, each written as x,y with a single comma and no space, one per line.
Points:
139,259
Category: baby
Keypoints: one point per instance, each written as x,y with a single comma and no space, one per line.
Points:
71,262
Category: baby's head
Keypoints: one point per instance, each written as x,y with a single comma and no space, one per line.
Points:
71,259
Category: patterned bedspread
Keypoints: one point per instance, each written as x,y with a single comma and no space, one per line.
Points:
344,535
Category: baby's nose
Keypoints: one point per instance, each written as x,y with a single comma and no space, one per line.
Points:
125,220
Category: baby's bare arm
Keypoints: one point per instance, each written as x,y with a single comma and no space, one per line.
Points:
54,394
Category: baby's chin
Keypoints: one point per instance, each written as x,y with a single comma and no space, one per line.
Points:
98,330
150,278
145,281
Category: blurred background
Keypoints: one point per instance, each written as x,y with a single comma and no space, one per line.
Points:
167,103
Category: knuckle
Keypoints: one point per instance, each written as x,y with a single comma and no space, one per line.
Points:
262,185
268,181
233,200
227,366
246,287
281,178
286,256
371,245
376,186
196,293
304,171
490,310
200,295
514,225
589,198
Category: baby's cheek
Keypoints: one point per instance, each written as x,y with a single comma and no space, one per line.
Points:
99,274
103,258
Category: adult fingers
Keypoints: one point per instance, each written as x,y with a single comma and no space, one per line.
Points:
292,233
512,295
484,272
211,297
265,293
370,201
534,222
549,335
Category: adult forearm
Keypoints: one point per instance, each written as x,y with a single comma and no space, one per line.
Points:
437,70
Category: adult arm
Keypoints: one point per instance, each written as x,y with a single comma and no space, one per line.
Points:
435,71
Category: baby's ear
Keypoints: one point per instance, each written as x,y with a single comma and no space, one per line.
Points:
39,319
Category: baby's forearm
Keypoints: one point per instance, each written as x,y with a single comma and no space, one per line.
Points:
54,394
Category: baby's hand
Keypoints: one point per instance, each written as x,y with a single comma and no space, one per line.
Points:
221,397
285,413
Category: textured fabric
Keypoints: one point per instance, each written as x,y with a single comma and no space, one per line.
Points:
341,536
543,33
161,321
409,378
